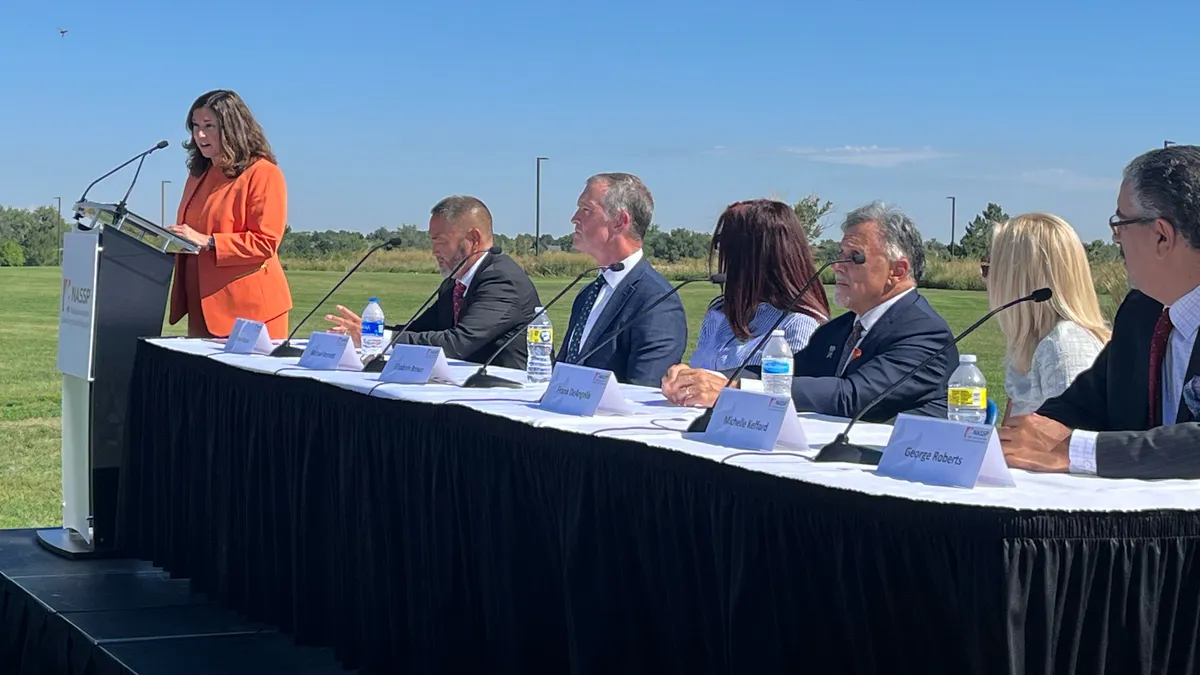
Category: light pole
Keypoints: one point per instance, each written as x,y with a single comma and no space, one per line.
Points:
162,203
58,226
537,210
953,204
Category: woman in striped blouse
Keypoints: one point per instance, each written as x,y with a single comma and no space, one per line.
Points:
765,256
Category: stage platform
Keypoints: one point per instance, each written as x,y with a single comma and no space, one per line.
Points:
119,617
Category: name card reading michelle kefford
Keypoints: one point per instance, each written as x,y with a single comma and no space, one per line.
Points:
751,420
942,452
248,337
330,351
575,390
416,364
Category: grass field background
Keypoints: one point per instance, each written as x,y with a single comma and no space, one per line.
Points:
30,387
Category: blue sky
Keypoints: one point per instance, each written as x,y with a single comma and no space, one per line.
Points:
377,110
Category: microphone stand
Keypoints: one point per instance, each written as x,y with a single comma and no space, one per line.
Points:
714,278
285,348
377,362
701,422
840,449
484,380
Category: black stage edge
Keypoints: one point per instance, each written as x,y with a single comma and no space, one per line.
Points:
121,616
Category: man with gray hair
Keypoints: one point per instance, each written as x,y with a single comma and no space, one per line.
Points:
889,330
1135,412
612,216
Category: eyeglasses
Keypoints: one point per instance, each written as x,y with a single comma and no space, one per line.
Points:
1116,221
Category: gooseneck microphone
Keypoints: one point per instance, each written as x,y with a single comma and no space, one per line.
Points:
285,348
142,156
712,278
377,362
840,449
483,380
857,258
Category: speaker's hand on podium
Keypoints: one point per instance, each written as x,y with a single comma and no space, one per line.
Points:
184,231
348,322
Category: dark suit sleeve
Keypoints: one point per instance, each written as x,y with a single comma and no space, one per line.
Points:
1083,404
1171,451
493,311
845,396
658,342
425,322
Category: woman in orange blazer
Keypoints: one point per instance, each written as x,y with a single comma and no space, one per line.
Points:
234,207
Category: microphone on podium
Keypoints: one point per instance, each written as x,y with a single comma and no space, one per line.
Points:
712,278
857,258
377,362
483,380
142,156
285,348
840,449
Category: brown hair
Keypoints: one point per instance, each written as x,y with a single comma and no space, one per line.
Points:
242,139
765,256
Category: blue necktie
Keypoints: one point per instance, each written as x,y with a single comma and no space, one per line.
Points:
579,321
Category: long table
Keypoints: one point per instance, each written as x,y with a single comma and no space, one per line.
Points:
428,528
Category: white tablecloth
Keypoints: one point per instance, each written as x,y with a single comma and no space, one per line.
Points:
658,424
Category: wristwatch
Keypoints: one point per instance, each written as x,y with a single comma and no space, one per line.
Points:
212,242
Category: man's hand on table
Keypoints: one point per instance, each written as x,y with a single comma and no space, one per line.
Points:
1036,443
347,322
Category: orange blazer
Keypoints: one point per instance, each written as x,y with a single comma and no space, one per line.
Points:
241,276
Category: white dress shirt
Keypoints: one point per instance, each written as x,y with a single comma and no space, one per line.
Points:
611,281
871,317
470,275
1185,319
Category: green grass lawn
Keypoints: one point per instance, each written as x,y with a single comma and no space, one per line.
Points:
30,490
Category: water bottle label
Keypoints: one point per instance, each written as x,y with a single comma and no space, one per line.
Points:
968,397
777,366
372,328
542,336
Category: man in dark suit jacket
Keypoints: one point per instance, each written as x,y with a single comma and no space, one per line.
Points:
489,300
889,330
613,214
1128,416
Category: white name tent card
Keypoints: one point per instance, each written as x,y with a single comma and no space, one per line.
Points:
946,453
750,420
330,351
575,390
417,364
248,337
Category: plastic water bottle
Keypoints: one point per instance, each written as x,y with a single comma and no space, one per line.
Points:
540,342
966,399
777,365
372,328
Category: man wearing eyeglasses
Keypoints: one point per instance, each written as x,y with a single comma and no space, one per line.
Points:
1134,413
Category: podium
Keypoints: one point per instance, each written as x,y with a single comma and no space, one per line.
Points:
116,276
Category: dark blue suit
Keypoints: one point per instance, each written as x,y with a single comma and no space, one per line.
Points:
907,334
652,344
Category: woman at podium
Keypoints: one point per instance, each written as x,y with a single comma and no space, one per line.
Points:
234,207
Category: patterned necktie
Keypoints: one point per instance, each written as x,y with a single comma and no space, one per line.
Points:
459,291
850,346
1158,350
579,321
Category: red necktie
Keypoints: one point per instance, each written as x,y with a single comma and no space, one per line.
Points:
1158,349
459,291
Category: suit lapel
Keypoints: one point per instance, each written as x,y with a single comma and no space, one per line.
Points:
1184,413
445,304
879,331
612,308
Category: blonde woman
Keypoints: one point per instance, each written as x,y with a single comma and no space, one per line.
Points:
1049,343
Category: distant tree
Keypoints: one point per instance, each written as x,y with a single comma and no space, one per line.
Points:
936,250
826,250
1099,251
11,254
977,240
810,211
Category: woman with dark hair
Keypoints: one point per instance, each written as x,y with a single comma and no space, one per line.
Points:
234,207
765,256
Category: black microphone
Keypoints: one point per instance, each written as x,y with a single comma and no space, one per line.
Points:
141,156
713,278
285,348
701,422
377,362
482,380
840,449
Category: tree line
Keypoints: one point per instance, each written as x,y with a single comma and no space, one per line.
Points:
33,238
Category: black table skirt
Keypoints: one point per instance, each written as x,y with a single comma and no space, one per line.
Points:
419,538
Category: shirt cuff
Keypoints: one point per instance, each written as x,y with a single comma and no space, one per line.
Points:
1083,452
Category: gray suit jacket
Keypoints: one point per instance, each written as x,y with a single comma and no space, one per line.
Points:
1112,397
